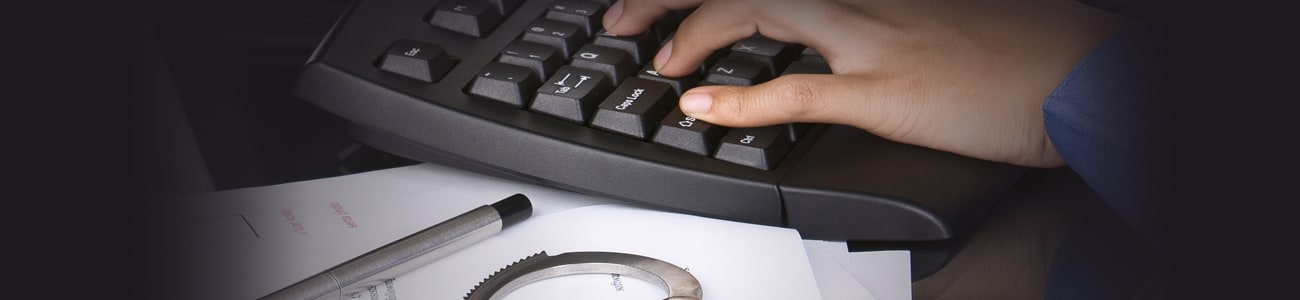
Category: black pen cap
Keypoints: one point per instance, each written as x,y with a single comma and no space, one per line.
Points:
513,209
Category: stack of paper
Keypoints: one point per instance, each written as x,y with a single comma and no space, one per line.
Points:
243,244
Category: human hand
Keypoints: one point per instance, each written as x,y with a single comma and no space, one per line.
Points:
968,77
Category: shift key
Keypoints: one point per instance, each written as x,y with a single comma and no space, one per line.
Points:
680,131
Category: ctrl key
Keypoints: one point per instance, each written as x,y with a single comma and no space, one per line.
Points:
418,60
759,147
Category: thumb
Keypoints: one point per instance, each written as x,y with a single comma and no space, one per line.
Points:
805,98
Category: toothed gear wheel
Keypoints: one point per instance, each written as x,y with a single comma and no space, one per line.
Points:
679,283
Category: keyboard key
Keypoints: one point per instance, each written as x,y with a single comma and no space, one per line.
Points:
758,147
572,94
772,54
510,84
422,61
635,108
682,132
612,62
679,84
810,62
472,17
563,36
585,13
641,47
735,71
542,59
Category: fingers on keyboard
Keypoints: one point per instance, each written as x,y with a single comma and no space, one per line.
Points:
680,131
738,72
679,84
772,54
566,66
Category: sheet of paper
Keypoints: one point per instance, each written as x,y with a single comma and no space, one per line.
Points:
245,243
833,279
888,274
731,260
885,275
242,244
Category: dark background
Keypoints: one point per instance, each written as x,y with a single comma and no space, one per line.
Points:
88,159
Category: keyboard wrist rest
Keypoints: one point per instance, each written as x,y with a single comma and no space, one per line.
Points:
855,186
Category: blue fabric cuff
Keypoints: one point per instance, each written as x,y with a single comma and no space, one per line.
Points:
1101,119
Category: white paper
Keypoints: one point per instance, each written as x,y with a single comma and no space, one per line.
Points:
833,279
888,274
885,275
243,244
731,260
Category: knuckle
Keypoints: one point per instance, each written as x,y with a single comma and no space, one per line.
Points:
797,95
733,105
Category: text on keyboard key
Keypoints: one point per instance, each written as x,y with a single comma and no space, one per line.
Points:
679,84
734,71
542,59
772,54
680,131
422,61
572,94
613,62
471,17
586,14
563,36
509,84
635,108
758,147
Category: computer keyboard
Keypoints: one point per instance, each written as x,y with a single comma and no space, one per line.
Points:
537,90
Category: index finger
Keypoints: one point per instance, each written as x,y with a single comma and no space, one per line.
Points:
630,17
715,25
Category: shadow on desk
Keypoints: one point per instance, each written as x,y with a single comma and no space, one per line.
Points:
1012,255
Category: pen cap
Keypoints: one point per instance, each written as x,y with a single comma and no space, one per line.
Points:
513,209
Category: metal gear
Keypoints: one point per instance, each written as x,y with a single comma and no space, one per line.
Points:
680,284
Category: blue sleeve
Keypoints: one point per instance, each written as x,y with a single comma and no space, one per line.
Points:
1103,119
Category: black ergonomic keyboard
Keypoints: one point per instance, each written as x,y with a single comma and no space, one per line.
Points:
536,89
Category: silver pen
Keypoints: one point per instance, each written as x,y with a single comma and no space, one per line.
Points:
410,252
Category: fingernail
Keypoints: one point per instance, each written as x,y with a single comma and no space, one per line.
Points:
613,14
692,103
661,58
